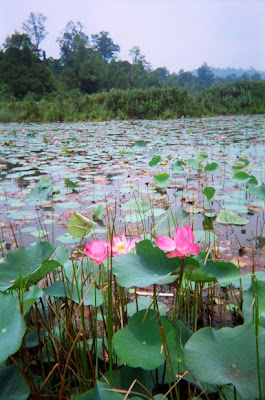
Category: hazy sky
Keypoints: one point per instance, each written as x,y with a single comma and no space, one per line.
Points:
172,33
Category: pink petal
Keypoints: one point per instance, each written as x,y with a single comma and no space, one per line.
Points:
175,253
97,251
183,238
165,243
133,242
194,249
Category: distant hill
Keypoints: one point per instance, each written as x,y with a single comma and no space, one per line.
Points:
224,72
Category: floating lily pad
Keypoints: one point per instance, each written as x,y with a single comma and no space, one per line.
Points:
229,218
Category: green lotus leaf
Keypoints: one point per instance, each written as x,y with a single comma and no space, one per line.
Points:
12,326
79,226
148,266
26,266
140,343
12,384
226,356
209,192
154,161
241,177
70,184
257,191
161,180
229,218
211,167
42,191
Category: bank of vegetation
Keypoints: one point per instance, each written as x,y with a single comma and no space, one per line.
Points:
89,82
153,103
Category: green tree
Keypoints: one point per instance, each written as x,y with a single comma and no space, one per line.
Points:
256,77
157,77
187,80
105,46
35,28
140,69
18,41
117,76
138,58
21,70
71,39
205,75
90,70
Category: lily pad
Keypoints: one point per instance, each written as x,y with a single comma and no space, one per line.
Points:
148,266
219,357
154,161
209,192
211,167
161,180
12,326
80,226
258,191
140,343
229,218
241,177
12,384
26,266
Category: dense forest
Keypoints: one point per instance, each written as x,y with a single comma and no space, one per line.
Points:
89,81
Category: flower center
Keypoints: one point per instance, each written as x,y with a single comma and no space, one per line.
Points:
120,247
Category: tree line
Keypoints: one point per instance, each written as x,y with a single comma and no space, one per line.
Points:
86,64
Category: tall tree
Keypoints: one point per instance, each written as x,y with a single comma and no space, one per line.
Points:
105,46
18,41
205,75
139,59
71,39
22,71
35,28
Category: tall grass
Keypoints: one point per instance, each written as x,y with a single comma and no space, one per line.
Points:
153,103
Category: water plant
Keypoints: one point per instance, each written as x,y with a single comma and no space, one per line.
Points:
156,294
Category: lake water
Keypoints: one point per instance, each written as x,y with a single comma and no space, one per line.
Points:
109,161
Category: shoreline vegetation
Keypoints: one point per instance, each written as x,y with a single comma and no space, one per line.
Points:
241,97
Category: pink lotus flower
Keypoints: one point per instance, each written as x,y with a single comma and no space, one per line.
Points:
182,244
97,251
120,245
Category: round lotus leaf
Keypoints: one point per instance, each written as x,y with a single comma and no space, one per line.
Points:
140,343
148,266
226,356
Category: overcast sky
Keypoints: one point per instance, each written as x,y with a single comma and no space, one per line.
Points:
172,33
